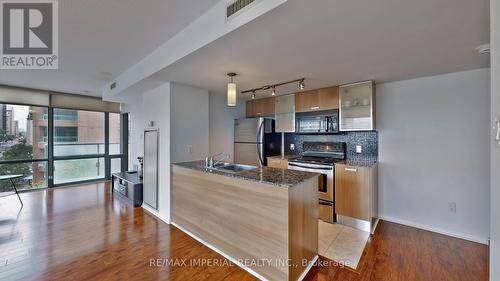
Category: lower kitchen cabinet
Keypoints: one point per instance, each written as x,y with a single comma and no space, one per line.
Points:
277,162
356,195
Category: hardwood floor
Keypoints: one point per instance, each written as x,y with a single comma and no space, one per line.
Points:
83,233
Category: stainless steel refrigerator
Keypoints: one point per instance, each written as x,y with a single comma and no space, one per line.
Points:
255,140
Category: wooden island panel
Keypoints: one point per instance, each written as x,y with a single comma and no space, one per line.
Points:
303,214
249,220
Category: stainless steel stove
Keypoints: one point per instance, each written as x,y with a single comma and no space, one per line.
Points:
320,157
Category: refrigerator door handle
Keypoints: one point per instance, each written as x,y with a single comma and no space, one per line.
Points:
259,150
496,126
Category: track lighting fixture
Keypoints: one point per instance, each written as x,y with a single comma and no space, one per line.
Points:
273,87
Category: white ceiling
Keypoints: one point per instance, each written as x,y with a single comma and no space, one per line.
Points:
332,42
99,39
328,41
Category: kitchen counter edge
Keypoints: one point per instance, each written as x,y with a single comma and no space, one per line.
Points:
273,176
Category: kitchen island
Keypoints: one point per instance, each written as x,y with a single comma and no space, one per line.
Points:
265,220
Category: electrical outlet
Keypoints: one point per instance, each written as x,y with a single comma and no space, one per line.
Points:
359,149
189,149
452,207
292,146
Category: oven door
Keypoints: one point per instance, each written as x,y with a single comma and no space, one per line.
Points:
326,180
326,211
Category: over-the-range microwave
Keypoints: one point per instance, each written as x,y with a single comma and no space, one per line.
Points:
319,122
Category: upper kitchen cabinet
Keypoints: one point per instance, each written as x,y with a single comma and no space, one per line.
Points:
316,100
260,107
285,113
328,98
307,101
357,106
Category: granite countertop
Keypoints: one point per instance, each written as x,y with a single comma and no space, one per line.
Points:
274,176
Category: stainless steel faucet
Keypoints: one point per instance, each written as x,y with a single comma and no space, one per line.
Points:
209,160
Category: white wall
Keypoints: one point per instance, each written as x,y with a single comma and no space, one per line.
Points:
433,150
189,123
222,124
154,107
495,146
181,114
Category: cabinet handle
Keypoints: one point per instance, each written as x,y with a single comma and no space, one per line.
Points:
314,107
351,170
258,113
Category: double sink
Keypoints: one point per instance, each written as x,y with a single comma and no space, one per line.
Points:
230,167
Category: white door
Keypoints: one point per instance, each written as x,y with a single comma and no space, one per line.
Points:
495,141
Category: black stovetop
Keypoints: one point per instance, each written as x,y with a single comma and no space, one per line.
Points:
322,153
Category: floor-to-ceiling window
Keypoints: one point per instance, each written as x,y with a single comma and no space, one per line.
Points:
23,145
79,145
60,139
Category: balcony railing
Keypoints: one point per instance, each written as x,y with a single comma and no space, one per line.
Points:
70,117
61,140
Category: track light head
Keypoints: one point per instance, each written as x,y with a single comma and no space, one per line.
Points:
253,95
273,93
302,86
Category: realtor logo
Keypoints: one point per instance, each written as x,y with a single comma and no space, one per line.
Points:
29,34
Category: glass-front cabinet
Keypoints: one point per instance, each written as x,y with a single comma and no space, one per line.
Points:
357,106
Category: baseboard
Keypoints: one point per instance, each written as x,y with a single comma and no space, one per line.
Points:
308,268
233,260
155,213
473,238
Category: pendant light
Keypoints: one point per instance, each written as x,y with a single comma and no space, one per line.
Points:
231,90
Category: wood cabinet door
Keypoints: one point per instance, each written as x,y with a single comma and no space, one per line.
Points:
250,109
307,101
329,98
260,107
273,162
267,106
277,163
352,192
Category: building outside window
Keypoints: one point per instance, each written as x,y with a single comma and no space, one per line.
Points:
23,147
80,134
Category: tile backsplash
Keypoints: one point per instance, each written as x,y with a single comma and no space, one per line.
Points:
367,139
